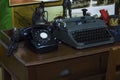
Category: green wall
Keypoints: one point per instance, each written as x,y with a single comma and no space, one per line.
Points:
5,15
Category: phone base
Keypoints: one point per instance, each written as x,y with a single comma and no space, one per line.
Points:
42,49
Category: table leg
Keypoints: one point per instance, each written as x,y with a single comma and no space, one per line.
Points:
5,75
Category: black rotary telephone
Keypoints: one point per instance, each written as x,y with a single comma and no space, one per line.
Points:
38,38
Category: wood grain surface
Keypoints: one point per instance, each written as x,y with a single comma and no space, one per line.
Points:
18,2
22,2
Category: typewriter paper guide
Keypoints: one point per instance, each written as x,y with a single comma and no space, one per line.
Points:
22,2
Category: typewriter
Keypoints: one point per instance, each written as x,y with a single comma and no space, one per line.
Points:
82,32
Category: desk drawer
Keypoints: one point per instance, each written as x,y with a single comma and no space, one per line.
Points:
70,69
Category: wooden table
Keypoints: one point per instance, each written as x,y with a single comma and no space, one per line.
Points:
66,63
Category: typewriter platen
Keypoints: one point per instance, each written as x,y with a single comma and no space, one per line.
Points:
82,32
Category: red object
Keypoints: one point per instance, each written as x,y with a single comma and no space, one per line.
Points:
104,15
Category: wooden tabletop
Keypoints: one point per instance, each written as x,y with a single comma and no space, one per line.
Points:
27,57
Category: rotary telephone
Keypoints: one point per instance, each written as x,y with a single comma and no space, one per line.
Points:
38,38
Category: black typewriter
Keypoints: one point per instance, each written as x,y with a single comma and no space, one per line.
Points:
83,32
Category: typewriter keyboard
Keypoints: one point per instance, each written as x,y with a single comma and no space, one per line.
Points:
91,36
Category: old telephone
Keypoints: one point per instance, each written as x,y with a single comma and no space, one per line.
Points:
40,16
38,38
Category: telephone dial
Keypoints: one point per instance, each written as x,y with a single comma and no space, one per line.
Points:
38,38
